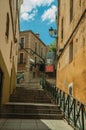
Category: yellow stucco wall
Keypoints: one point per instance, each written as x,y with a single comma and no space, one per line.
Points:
8,48
73,72
6,81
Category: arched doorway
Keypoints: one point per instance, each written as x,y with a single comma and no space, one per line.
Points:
1,82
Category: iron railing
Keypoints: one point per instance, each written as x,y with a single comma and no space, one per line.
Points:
74,111
19,77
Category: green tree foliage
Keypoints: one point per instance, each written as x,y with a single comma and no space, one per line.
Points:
52,47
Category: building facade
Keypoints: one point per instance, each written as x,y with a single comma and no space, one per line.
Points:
50,64
71,64
9,35
31,55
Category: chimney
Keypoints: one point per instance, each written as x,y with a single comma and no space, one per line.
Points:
38,35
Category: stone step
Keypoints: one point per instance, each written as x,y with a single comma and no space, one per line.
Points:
25,95
32,116
24,110
41,111
30,96
31,110
28,93
17,108
34,100
30,104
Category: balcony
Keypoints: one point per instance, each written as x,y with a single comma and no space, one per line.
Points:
21,45
22,61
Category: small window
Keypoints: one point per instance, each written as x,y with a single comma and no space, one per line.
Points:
79,2
41,52
31,68
71,52
1,79
39,48
62,29
16,5
35,47
71,10
83,40
21,58
7,25
11,51
35,61
22,42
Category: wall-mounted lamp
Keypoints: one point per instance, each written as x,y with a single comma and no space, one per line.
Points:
53,32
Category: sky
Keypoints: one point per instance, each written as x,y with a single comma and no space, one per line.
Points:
39,16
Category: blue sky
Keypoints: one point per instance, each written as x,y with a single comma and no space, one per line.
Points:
39,16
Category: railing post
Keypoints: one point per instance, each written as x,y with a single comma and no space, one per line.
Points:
74,113
82,106
64,102
60,98
57,97
68,109
55,94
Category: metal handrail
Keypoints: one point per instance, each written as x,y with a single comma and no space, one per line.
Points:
73,110
19,77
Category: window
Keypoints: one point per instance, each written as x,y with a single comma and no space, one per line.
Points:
22,42
41,52
1,83
11,51
35,61
16,5
39,48
35,47
7,25
79,2
71,52
21,58
71,10
62,29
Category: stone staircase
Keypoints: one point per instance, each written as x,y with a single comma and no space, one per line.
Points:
27,103
30,95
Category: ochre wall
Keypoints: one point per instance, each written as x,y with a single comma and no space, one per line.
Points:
9,82
74,73
8,49
6,82
74,32
13,79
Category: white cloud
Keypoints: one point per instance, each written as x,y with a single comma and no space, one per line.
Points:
25,16
28,16
29,5
50,14
32,15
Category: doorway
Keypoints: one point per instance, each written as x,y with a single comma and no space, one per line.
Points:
33,74
1,82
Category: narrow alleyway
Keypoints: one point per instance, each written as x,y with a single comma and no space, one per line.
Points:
30,108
